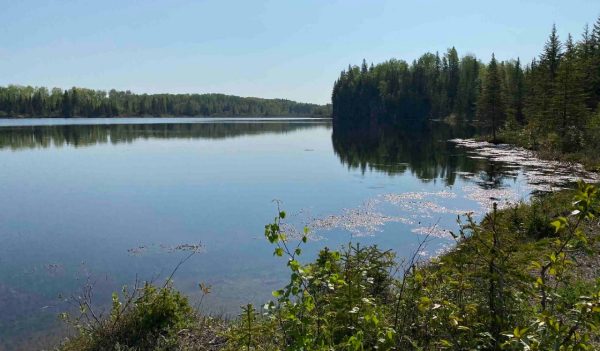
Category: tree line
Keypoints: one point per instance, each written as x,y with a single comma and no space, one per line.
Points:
551,101
28,101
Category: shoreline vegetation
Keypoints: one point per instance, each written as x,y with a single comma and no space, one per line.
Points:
524,278
550,105
40,102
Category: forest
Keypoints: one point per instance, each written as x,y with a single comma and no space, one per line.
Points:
550,103
27,101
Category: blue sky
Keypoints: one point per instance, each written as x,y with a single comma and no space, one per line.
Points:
287,49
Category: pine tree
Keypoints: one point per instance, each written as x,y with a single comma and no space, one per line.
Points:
452,78
542,94
468,87
585,49
67,108
490,107
594,67
514,93
363,67
570,96
552,54
518,92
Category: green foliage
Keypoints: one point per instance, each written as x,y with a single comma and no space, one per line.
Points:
147,319
339,301
395,91
510,283
490,107
547,105
27,101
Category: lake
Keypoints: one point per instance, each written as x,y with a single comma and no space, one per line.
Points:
108,201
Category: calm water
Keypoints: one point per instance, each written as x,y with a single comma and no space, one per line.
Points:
106,200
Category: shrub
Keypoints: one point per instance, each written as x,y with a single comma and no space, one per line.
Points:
148,319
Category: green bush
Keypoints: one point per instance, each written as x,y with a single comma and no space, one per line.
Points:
510,283
147,320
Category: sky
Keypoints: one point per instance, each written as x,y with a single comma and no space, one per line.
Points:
272,49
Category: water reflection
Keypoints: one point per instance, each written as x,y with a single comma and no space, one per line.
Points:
419,148
43,136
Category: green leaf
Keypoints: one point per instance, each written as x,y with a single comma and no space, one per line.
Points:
294,265
559,224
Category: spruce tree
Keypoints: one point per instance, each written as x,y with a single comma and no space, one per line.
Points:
363,67
518,92
490,107
594,66
543,94
452,78
585,50
552,54
468,87
570,96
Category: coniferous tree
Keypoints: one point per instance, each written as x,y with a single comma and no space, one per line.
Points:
594,66
468,87
490,108
452,78
550,102
26,101
585,51
540,108
517,92
570,97
66,105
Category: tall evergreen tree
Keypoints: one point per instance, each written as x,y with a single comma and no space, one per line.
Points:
490,108
515,92
66,105
468,87
594,67
363,67
570,96
540,104
585,51
552,53
452,78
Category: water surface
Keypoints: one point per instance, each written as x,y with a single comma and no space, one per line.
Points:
103,201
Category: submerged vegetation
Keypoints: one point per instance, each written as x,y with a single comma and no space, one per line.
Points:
522,279
549,104
27,101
